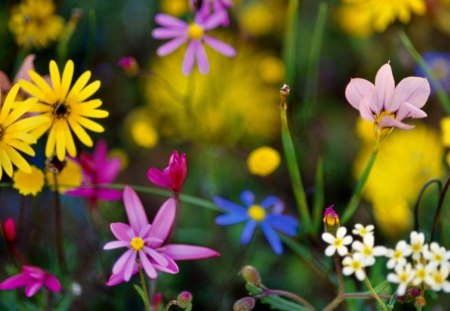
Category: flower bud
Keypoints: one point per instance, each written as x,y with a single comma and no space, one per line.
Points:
129,65
330,220
9,229
244,304
54,165
251,275
184,299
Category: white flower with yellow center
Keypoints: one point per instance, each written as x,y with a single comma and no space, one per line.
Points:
337,242
362,231
417,244
421,273
397,256
354,265
437,254
403,275
367,249
437,278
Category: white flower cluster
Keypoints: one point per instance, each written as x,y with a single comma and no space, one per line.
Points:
414,265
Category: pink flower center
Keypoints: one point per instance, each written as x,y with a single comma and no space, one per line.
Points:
137,243
256,212
195,31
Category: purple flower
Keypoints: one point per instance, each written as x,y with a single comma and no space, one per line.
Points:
206,8
195,35
258,214
172,177
385,104
32,278
98,169
145,242
439,64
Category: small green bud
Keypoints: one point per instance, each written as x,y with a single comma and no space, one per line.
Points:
244,304
251,275
184,299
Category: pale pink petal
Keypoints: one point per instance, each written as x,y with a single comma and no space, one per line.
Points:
134,209
163,221
413,90
188,61
155,176
200,55
388,121
167,33
385,86
219,46
170,21
5,84
356,90
365,110
410,111
214,20
145,230
15,281
148,267
171,46
32,288
27,64
52,283
120,230
188,252
116,244
122,261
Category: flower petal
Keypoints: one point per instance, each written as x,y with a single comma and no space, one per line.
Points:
248,198
221,47
356,90
413,90
134,209
148,267
388,121
247,233
163,221
169,21
385,86
156,177
52,283
284,223
15,281
229,206
231,218
170,46
167,33
200,55
188,61
188,252
272,238
120,230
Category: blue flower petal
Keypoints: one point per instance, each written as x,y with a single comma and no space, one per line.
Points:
272,200
248,198
247,233
273,238
284,223
229,206
230,219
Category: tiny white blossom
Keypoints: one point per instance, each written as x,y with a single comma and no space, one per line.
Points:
367,249
397,256
337,243
437,254
421,272
363,231
403,276
437,278
354,264
417,244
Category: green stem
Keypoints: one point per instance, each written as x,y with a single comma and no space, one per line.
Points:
144,289
356,196
439,208
58,227
171,303
290,41
302,301
440,92
375,295
421,193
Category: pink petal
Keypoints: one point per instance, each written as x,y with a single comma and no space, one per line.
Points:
163,221
410,111
188,61
158,178
32,288
157,257
128,272
413,90
148,267
118,278
171,46
388,121
171,268
188,252
52,283
200,55
15,281
134,209
167,33
214,20
356,90
120,231
100,153
219,46
122,261
364,108
169,21
385,86
27,65
5,84
116,244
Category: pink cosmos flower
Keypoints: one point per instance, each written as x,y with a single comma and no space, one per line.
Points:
32,278
195,35
98,169
172,177
145,242
384,103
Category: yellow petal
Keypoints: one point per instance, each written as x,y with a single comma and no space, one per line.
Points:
7,105
33,90
19,145
79,85
91,125
5,161
88,91
70,145
54,75
80,132
18,160
67,78
39,81
60,140
51,141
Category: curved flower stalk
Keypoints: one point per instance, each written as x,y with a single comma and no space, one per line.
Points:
66,108
258,215
195,35
145,242
32,278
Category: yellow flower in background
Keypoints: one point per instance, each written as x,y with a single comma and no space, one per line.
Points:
122,155
362,17
143,132
29,183
405,162
231,104
445,129
272,70
70,176
34,24
15,132
175,8
263,161
393,216
365,130
66,108
257,18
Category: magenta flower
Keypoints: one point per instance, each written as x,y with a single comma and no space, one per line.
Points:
195,35
206,8
32,278
172,177
145,242
9,229
384,103
98,169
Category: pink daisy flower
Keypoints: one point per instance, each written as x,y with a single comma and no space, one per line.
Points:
194,34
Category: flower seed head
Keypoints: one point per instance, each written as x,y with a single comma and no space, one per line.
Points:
251,275
244,304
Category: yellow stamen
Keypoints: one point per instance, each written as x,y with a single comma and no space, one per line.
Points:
195,31
137,243
256,212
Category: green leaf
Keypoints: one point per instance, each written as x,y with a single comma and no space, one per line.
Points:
319,197
275,302
140,292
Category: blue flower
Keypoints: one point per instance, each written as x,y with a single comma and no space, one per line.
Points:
439,64
267,215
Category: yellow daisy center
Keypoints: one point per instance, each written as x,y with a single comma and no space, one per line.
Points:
137,243
195,31
61,110
256,212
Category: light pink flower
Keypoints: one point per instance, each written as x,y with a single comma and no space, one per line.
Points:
22,73
195,35
385,104
145,242
32,278
172,177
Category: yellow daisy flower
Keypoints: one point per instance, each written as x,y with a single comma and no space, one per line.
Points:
70,176
34,24
15,133
29,183
263,161
66,108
